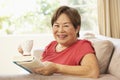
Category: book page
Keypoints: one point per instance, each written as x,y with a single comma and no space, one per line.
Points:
22,58
28,63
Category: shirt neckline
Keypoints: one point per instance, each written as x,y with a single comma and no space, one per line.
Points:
64,49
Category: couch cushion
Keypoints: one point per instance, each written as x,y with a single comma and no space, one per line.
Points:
103,49
54,77
114,67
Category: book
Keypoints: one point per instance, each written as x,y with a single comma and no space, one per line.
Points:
27,62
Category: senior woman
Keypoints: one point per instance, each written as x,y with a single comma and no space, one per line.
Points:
68,54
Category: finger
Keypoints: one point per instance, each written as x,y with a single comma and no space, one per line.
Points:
42,72
20,49
46,63
38,70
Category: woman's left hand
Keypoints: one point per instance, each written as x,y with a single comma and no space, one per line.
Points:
48,69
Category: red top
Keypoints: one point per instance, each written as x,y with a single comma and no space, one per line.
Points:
69,56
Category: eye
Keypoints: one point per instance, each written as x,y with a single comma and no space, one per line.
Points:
66,25
55,25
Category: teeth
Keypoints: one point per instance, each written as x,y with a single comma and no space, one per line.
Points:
61,36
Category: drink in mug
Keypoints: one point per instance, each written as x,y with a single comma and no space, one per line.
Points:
27,47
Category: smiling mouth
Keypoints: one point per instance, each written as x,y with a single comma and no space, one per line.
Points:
61,36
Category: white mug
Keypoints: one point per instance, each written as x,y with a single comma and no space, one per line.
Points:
27,47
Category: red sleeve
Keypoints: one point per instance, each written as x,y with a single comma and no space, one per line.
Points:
85,48
48,48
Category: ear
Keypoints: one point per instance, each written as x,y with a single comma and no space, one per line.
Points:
78,29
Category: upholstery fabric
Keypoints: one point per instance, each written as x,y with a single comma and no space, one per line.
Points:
103,49
114,67
55,77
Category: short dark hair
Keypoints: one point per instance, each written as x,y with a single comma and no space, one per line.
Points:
72,13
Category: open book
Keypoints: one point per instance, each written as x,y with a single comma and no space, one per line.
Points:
27,62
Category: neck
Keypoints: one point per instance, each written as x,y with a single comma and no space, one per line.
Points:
61,47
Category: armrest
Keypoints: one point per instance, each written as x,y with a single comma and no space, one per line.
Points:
37,53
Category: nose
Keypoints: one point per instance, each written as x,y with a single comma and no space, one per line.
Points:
61,29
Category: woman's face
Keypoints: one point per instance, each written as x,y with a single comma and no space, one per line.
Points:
64,31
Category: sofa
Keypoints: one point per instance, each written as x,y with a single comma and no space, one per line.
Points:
108,55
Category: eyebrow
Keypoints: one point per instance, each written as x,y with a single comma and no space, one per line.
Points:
63,23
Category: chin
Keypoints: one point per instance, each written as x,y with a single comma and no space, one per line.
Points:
62,41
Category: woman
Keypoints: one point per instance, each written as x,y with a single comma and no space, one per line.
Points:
67,54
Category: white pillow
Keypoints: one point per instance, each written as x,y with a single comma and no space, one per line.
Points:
103,49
